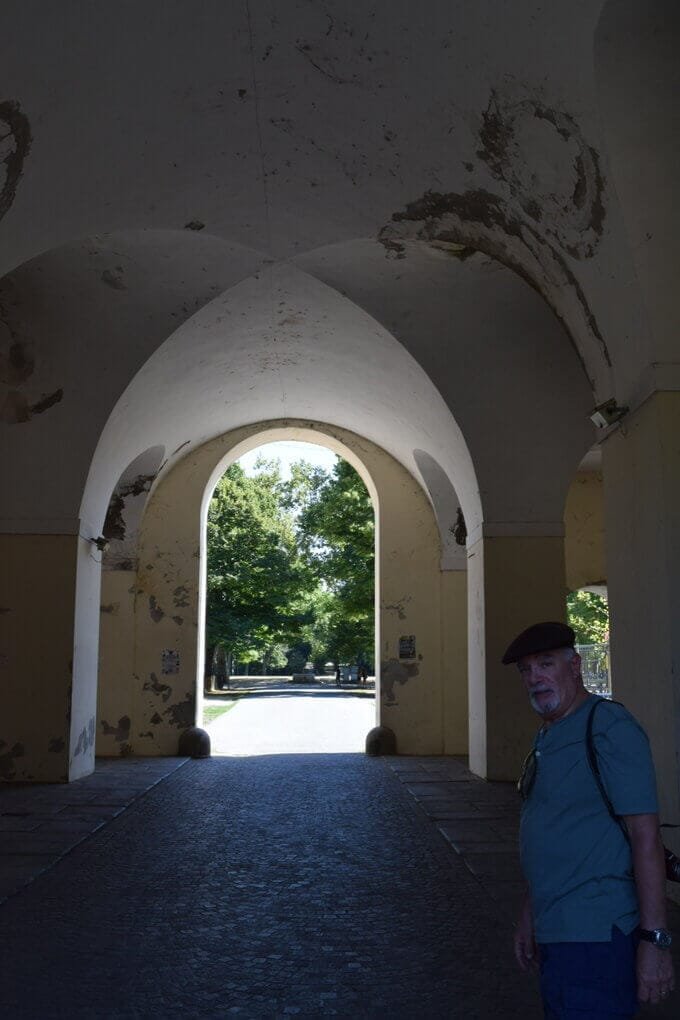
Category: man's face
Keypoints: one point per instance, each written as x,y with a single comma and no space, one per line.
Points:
553,682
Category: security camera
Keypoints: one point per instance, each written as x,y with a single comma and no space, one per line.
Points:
607,414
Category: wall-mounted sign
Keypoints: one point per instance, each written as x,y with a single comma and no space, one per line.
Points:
169,661
407,646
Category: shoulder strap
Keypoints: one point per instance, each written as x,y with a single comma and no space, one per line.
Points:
595,768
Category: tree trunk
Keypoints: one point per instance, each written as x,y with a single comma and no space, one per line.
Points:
209,669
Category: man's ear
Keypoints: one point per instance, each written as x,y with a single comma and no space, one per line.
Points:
576,664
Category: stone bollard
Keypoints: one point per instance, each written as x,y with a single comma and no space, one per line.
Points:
381,740
194,743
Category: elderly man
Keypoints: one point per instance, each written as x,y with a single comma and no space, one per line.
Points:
594,917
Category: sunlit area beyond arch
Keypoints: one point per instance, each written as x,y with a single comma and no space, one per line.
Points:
290,604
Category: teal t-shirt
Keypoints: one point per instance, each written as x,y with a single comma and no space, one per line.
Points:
574,856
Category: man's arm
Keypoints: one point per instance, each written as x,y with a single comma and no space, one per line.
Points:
526,950
654,966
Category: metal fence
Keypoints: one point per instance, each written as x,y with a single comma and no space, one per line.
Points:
595,663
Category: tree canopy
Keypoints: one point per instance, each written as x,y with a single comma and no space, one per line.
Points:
255,574
588,614
290,566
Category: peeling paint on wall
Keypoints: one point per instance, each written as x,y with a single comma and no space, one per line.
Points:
393,673
114,278
542,216
49,400
85,738
120,732
15,144
397,607
182,714
459,529
114,524
7,767
153,684
18,362
155,611
572,198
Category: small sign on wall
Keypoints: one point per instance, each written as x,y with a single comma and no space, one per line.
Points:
169,661
407,646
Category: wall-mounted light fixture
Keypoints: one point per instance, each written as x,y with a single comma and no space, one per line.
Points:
607,414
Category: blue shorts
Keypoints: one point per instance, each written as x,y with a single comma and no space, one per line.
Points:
590,980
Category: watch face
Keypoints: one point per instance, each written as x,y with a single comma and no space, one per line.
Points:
663,939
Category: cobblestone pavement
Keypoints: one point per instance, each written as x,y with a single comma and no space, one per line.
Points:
278,886
41,823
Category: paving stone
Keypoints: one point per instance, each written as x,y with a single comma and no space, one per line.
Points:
49,842
501,868
467,831
498,847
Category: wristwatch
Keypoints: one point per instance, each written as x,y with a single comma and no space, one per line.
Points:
660,937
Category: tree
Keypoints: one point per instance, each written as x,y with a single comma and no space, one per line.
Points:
255,575
290,568
336,534
588,614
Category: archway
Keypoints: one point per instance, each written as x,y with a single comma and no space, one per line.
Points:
423,700
290,613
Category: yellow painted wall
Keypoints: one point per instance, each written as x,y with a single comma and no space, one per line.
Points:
584,539
513,582
642,500
454,642
37,608
116,663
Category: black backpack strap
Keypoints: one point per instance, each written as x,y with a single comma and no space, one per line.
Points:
595,768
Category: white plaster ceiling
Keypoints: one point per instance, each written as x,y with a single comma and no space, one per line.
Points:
281,127
290,127
299,196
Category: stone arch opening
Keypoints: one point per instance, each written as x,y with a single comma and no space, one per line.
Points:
418,695
288,710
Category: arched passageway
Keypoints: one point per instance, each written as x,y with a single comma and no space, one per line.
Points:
282,340
457,281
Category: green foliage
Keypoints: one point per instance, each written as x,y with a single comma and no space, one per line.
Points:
255,576
290,567
336,533
212,712
588,614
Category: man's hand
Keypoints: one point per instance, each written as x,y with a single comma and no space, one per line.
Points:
654,966
526,949
655,976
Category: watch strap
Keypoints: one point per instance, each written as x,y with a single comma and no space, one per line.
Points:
660,937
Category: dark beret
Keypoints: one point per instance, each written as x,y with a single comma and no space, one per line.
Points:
541,637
